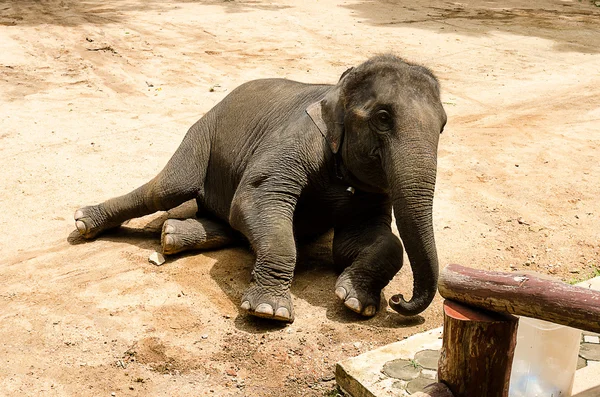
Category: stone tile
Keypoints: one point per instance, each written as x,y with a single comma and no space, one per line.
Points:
428,358
591,339
429,374
590,351
401,369
418,385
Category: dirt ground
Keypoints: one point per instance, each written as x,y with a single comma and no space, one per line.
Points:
96,96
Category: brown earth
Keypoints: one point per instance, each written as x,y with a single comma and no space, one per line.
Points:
96,96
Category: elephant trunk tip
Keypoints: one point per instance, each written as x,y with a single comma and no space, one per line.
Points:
408,308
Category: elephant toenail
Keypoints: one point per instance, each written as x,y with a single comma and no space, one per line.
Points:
353,304
370,311
264,308
245,305
282,312
169,229
169,240
78,214
81,227
341,292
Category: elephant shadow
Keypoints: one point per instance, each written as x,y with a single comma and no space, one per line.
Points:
230,270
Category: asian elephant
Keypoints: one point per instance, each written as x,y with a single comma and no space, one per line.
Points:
280,161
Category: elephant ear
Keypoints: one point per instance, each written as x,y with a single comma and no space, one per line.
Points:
328,116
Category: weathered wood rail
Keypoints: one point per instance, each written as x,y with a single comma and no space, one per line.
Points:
524,295
480,329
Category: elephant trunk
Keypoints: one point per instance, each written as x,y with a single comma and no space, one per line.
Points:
412,183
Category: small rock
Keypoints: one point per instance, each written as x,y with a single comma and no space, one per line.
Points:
357,345
231,372
522,221
328,378
205,336
113,394
574,271
156,258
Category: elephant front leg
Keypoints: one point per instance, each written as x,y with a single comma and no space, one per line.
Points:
371,255
266,221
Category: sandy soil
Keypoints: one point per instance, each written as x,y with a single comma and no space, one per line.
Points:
96,96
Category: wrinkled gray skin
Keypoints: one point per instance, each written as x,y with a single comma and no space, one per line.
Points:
274,161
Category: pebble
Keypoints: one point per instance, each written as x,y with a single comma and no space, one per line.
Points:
231,372
113,394
205,336
328,378
156,258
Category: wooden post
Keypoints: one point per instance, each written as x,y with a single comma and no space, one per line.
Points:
477,351
522,294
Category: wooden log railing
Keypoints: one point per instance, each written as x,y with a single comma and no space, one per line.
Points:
524,295
480,329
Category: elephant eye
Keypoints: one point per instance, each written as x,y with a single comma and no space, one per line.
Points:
382,121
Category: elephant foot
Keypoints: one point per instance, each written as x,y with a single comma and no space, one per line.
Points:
267,302
175,237
353,289
91,221
180,235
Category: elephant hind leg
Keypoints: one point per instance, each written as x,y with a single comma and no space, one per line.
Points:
181,180
195,234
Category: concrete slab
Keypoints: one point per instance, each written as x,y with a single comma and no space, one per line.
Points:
362,376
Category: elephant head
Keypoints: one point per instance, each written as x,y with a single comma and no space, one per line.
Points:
383,119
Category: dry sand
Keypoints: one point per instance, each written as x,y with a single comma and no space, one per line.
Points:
97,95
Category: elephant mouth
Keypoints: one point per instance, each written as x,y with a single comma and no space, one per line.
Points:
379,185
